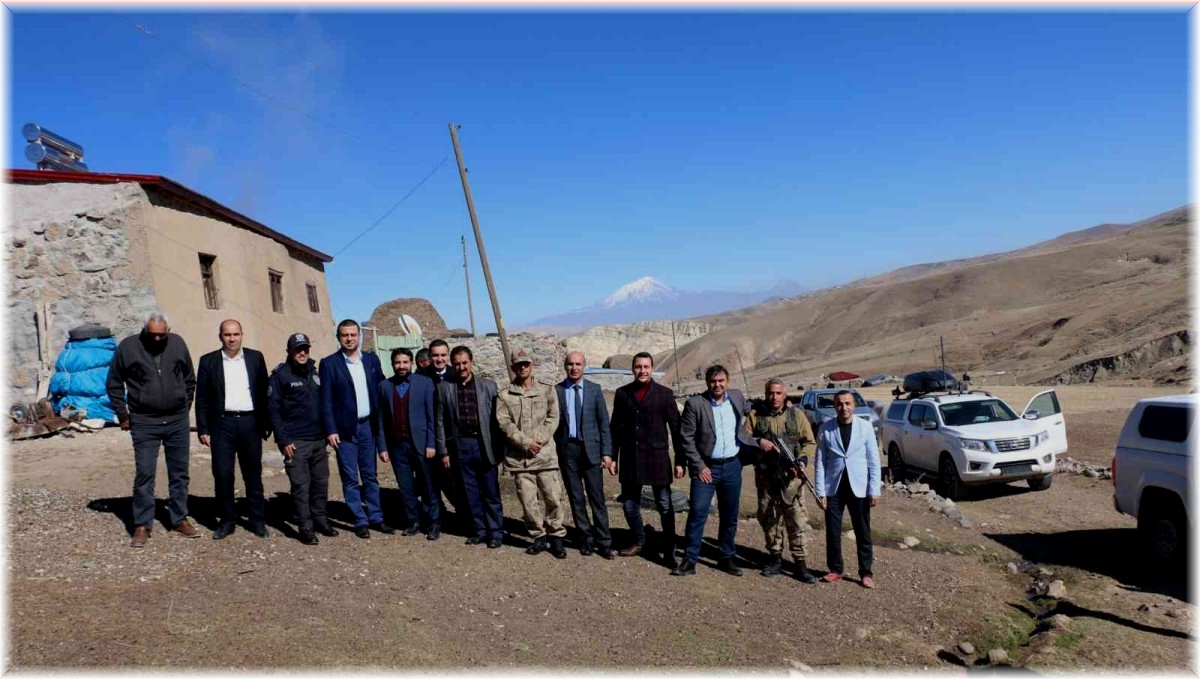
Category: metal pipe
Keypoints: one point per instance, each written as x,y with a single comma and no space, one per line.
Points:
46,155
34,133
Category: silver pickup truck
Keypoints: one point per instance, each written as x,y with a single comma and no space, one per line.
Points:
1151,473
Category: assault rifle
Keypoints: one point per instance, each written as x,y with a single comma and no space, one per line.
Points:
791,467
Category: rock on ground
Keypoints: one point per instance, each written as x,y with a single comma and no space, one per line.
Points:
997,655
967,648
1056,590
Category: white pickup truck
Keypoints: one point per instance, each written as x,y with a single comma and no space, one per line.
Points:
1151,472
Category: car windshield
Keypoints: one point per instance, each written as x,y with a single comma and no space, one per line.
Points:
976,412
826,400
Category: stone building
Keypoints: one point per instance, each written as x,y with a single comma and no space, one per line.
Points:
108,248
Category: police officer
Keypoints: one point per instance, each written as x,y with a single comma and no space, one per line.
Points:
780,499
294,404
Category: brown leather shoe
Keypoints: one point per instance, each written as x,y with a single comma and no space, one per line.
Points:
140,536
632,550
186,529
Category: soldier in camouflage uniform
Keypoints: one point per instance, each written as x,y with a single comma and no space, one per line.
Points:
780,498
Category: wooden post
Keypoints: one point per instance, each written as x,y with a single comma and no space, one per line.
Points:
467,275
487,270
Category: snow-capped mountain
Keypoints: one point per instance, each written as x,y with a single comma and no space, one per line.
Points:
644,289
649,299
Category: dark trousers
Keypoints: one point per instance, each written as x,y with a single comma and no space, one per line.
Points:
631,503
308,470
727,486
356,459
860,519
238,437
580,476
449,482
481,486
414,477
172,434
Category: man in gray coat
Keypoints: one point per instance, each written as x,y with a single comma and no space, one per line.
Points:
467,431
584,444
712,437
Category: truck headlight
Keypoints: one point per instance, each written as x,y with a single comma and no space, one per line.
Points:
1040,438
973,444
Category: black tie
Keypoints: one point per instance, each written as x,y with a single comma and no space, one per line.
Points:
578,410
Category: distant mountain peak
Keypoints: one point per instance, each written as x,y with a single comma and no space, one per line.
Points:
646,288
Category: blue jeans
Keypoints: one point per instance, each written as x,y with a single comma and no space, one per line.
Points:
355,458
415,479
481,486
727,486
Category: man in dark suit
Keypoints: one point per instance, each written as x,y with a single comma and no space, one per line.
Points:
446,480
469,440
406,421
584,444
644,414
349,400
712,439
233,418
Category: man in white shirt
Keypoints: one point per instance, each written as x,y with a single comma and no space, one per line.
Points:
233,419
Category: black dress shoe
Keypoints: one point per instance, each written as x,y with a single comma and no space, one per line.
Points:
383,528
605,552
410,531
223,531
538,546
327,531
585,549
474,540
688,567
494,543
362,532
557,549
727,566
261,531
307,538
434,533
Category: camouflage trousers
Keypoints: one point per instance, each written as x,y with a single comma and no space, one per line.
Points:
543,502
774,514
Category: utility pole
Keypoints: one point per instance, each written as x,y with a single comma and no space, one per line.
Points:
487,270
942,342
676,346
742,366
467,275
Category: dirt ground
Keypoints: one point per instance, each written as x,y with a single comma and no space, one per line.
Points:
80,597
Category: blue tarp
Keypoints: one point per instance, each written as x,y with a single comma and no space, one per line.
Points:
79,376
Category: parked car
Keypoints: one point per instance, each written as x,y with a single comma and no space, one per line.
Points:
1151,468
818,406
974,438
876,380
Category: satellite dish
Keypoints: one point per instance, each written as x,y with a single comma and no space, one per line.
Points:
409,325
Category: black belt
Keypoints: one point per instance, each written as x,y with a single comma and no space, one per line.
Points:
716,461
364,420
578,441
238,413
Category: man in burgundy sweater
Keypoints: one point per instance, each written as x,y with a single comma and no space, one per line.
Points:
406,420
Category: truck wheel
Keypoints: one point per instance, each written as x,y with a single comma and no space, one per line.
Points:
1163,526
1041,482
896,463
952,486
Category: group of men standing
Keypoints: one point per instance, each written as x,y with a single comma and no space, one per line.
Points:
447,431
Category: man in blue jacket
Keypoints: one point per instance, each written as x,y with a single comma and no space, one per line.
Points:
406,422
847,468
349,387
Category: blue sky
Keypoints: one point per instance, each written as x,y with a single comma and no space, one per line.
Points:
711,150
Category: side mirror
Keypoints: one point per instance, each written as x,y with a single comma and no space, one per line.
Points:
1032,415
929,425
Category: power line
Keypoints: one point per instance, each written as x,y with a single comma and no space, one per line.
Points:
398,204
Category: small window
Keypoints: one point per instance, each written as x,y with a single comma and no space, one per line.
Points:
208,280
1165,423
896,411
276,291
1046,404
917,413
313,304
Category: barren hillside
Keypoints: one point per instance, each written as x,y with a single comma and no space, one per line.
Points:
1105,302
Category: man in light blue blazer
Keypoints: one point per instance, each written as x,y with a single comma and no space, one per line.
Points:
847,468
